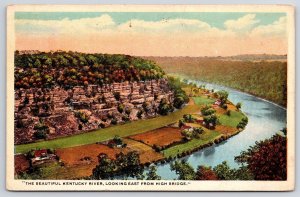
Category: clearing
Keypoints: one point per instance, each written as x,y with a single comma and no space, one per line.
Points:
206,137
147,154
161,137
232,120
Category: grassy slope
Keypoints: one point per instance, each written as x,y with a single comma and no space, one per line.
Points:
124,130
232,120
264,79
208,136
203,101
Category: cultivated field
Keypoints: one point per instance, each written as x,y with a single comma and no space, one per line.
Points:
75,155
226,130
100,135
147,154
161,137
232,120
206,137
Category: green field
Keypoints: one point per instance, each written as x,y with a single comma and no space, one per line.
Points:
203,100
232,120
124,130
209,135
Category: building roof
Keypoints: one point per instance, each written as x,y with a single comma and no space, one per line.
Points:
39,153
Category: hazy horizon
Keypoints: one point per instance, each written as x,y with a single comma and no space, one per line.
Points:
169,34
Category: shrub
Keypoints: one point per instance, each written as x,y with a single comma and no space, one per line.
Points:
40,134
82,116
228,113
114,121
101,125
224,106
120,108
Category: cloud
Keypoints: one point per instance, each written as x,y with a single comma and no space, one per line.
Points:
277,28
187,25
244,23
83,25
172,37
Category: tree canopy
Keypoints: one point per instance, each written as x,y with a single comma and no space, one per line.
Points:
68,69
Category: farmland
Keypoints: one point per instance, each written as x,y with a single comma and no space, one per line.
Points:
208,136
75,155
160,137
155,140
266,78
231,120
147,154
124,130
203,100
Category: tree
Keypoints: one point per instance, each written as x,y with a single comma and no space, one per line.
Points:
267,160
105,169
180,123
205,173
164,107
198,130
224,172
184,170
228,113
222,95
207,110
188,118
82,116
178,101
152,175
188,134
243,123
121,108
238,105
211,121
118,140
127,165
284,131
40,134
41,130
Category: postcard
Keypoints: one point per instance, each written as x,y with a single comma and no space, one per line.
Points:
150,98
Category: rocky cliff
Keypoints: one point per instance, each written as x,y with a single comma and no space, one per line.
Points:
60,112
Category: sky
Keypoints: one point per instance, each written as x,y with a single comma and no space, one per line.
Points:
153,33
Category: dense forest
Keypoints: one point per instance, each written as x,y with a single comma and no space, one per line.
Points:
266,79
69,69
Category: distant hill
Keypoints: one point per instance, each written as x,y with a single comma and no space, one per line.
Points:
260,75
257,57
243,57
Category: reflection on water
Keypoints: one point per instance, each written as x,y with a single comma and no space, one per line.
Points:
209,151
265,119
221,143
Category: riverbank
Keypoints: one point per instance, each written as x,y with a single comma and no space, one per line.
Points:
159,142
265,79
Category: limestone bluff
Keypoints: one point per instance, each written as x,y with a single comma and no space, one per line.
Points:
65,93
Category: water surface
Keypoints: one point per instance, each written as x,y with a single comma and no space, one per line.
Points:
265,119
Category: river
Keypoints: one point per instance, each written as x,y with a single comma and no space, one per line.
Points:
265,119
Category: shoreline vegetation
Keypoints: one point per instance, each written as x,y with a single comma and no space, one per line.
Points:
223,121
264,76
191,119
